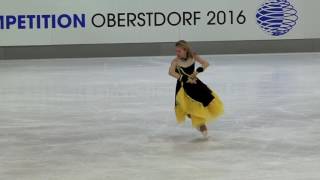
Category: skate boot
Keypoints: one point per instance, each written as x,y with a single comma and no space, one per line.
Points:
204,131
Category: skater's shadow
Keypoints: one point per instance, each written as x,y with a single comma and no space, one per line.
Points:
200,140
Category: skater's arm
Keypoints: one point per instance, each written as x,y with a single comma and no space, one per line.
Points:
172,70
204,63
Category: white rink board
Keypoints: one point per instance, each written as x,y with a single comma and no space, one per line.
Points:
228,20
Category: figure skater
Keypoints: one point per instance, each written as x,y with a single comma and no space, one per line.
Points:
192,97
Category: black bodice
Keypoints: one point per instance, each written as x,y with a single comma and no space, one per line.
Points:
189,70
199,91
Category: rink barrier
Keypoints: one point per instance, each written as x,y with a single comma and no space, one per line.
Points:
158,49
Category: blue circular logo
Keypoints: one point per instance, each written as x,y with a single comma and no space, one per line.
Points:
277,17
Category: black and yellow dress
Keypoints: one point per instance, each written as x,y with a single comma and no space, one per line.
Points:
197,101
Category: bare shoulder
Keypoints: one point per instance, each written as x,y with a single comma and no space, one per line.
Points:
196,56
175,61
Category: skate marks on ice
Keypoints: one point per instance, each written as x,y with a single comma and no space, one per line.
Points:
113,118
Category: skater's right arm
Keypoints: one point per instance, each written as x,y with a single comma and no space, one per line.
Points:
172,69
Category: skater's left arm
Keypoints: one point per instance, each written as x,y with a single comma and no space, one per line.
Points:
204,63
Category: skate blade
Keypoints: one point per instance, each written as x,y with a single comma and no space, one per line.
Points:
205,134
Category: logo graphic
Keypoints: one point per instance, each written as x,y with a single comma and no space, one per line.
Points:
277,17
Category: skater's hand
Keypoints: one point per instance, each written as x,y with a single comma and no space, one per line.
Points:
194,75
193,78
188,79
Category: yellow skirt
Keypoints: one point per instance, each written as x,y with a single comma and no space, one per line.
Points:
200,115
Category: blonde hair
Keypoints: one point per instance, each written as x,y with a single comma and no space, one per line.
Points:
186,46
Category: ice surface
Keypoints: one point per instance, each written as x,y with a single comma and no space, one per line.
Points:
113,118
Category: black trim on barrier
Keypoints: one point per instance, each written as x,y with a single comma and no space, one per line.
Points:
157,49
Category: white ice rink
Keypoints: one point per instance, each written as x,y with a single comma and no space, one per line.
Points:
113,119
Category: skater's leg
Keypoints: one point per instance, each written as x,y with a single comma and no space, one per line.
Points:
200,124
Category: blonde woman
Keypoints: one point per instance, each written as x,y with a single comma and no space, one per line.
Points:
193,98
